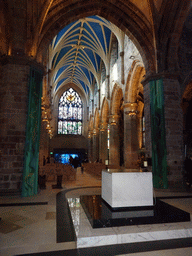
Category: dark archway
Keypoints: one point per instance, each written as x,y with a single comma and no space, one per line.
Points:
138,29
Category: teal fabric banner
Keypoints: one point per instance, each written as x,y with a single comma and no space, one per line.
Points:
31,157
158,135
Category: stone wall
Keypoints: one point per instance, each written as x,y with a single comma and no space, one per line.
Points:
174,131
68,142
44,145
10,182
13,112
147,113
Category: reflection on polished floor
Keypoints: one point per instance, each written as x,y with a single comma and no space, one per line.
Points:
101,215
30,226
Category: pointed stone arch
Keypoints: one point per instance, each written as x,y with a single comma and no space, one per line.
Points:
134,101
105,111
56,102
96,119
133,23
95,136
173,15
116,100
90,126
116,134
133,84
103,134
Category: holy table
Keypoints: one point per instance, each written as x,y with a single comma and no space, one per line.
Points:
127,188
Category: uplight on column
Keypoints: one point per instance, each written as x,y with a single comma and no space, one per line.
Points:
102,127
113,121
94,132
132,110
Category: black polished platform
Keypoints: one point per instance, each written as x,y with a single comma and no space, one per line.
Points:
101,215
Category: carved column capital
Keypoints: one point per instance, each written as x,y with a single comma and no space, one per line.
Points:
103,126
113,119
130,109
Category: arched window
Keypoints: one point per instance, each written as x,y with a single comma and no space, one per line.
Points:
70,113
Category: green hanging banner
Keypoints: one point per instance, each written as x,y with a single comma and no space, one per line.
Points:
158,135
31,157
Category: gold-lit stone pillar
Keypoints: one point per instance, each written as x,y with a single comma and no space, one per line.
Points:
122,67
90,146
99,97
95,145
131,142
103,147
108,87
92,103
114,148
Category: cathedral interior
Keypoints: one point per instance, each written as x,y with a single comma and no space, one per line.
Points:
107,83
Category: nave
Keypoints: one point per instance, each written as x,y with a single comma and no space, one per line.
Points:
29,225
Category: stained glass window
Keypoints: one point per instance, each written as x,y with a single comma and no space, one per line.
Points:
70,113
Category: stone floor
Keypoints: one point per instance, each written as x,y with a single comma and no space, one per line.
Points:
30,228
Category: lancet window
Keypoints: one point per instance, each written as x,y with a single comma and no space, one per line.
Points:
70,113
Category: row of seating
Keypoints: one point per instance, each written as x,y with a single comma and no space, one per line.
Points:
94,169
52,170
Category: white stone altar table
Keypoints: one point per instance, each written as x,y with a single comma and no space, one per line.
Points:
123,188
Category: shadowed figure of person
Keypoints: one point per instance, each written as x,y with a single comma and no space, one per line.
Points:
48,160
71,160
75,163
44,161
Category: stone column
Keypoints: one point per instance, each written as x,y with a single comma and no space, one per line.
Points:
99,96
122,67
90,146
108,87
174,131
103,147
166,126
87,113
44,147
92,101
131,142
14,82
114,148
146,95
95,145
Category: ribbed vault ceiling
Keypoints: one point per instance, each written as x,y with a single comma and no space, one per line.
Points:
77,51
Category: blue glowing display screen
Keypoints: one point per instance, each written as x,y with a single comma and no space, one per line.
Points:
64,158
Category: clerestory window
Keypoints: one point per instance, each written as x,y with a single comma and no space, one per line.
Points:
70,113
